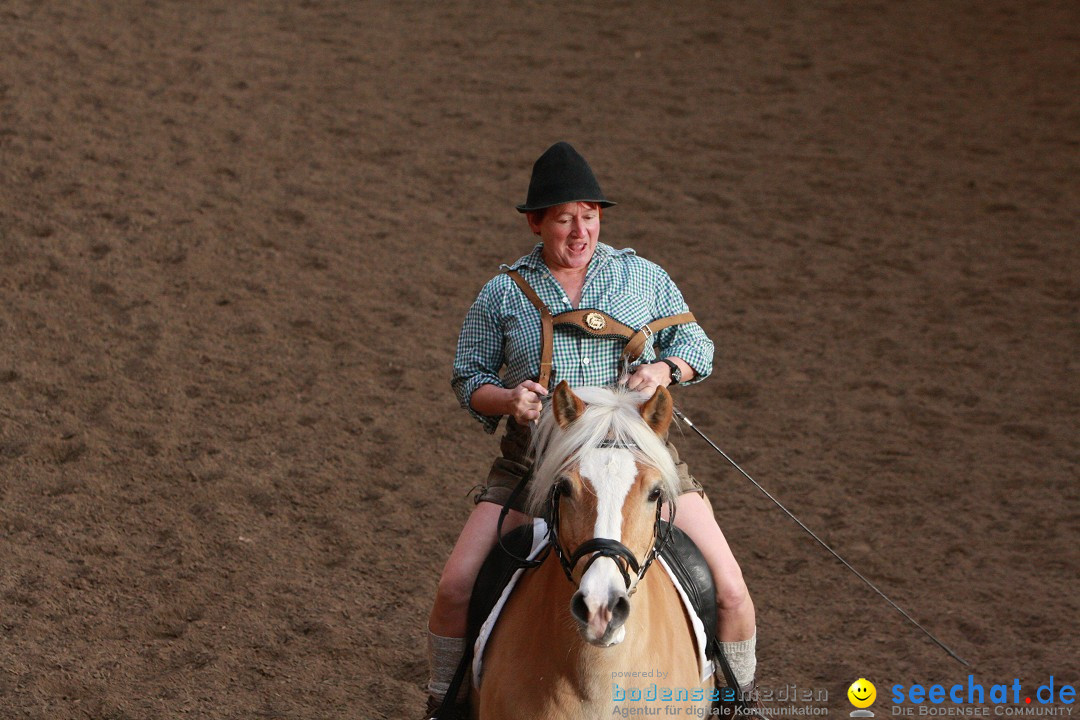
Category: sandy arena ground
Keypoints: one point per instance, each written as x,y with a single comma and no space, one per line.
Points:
237,241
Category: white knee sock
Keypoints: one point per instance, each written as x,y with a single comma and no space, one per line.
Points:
444,654
742,657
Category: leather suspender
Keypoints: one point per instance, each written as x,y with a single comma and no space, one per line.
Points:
547,339
594,322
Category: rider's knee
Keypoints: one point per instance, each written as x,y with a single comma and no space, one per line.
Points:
733,595
455,588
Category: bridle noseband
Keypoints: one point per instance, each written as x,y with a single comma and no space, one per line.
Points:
622,556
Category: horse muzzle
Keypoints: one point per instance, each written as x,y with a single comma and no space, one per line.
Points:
601,606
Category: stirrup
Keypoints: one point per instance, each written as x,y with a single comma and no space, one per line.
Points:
753,702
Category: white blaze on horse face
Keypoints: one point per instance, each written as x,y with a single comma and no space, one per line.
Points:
611,472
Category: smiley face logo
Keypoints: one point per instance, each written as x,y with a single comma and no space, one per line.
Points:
862,693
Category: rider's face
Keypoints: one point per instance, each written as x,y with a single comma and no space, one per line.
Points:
569,232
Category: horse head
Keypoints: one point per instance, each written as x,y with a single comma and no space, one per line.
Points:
603,472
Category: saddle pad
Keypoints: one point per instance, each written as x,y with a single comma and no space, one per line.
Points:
539,542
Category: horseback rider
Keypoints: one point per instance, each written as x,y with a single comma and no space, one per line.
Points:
567,270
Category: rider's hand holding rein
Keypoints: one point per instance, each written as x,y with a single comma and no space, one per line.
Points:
522,402
646,378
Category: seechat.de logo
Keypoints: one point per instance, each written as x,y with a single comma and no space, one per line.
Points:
862,694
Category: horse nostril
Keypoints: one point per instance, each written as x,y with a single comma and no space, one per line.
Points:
620,610
578,608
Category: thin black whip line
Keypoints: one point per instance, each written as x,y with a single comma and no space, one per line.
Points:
821,542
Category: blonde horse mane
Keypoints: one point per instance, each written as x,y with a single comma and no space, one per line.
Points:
611,417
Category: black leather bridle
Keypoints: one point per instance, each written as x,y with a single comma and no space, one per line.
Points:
597,548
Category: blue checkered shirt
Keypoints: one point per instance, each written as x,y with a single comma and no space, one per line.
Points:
502,328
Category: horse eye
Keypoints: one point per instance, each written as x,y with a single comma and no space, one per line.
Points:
655,494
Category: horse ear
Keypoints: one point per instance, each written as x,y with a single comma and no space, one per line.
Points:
658,410
566,405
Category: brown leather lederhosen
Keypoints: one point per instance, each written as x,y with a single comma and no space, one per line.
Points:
508,470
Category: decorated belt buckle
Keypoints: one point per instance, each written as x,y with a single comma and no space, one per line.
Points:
595,320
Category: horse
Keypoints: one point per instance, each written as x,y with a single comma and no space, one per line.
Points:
570,642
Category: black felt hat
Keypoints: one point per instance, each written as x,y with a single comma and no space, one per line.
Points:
560,176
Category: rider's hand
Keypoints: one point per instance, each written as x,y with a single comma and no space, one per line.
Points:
646,378
525,401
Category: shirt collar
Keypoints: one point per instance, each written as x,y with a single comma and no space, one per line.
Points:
535,259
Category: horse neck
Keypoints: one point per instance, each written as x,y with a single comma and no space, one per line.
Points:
587,670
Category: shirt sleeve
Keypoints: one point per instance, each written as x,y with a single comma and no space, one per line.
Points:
687,341
479,354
